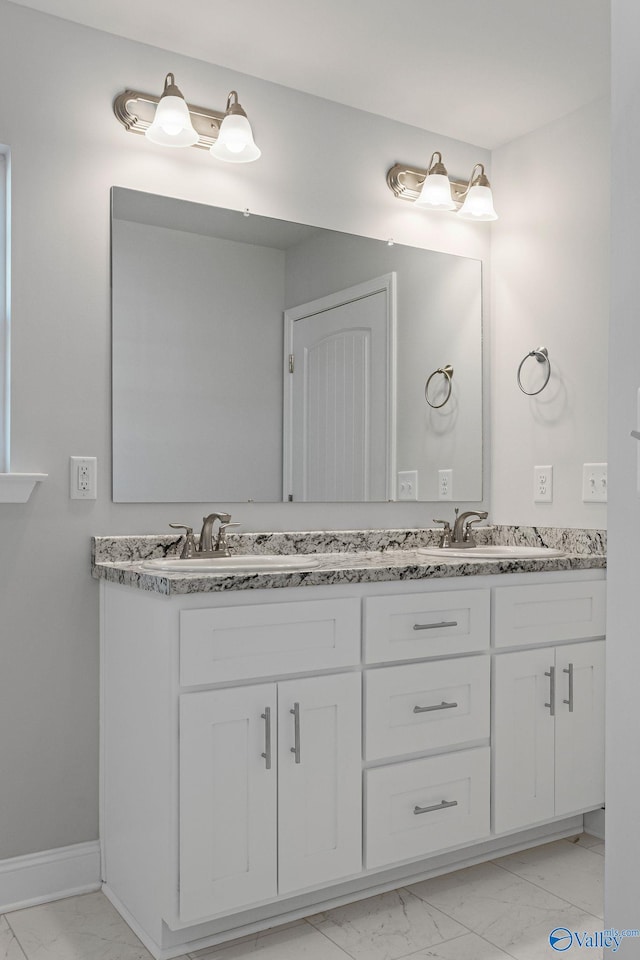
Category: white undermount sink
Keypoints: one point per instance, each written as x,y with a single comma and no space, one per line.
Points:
491,552
267,563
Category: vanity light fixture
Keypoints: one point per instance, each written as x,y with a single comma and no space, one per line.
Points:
478,201
235,141
170,121
436,189
172,125
433,189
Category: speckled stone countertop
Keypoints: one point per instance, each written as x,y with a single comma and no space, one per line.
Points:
345,556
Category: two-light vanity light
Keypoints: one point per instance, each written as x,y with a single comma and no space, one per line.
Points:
433,189
170,121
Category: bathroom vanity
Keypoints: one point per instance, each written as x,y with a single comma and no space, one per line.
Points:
385,717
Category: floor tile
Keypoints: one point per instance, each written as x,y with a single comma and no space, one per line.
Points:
510,912
468,947
10,949
570,871
79,928
386,927
301,942
597,848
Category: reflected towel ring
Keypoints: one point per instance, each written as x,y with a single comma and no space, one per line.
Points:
542,356
447,373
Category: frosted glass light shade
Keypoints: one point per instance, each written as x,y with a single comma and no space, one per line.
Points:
478,205
172,125
235,142
436,193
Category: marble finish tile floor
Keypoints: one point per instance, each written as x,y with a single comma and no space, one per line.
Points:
502,910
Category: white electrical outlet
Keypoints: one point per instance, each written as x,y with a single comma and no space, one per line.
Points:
543,484
594,482
445,484
407,485
83,478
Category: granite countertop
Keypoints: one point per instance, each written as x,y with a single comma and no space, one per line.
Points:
351,556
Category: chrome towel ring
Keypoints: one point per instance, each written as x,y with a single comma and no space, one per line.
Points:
542,356
447,373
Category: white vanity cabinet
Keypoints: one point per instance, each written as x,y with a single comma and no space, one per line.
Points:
270,798
548,733
548,702
269,753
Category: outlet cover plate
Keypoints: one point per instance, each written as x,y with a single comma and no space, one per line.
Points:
543,484
83,478
445,484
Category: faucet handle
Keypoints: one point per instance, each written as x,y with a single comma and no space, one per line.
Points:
445,540
225,526
189,545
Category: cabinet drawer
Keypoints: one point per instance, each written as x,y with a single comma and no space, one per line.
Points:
419,707
261,640
426,625
549,613
418,807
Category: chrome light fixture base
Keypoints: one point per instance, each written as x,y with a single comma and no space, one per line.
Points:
136,111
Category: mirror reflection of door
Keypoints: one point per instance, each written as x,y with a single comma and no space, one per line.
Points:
339,421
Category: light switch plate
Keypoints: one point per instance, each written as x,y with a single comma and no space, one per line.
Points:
407,485
543,484
594,482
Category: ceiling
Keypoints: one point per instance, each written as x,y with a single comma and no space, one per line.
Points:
483,71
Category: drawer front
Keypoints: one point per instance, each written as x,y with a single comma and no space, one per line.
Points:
549,613
262,640
426,625
419,707
419,807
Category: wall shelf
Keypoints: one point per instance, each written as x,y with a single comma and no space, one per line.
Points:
18,487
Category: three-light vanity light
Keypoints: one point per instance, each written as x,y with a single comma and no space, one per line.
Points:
168,120
433,189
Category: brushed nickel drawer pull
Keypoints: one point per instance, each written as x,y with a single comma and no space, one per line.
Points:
296,731
266,716
569,702
551,673
436,806
434,626
437,706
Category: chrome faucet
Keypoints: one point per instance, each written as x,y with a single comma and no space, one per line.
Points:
206,546
462,535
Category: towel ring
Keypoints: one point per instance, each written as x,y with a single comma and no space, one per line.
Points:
447,373
542,356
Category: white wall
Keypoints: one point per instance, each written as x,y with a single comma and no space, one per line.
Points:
623,576
550,252
322,164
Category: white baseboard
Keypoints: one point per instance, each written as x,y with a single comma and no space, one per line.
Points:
50,875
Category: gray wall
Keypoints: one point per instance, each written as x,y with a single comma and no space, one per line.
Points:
550,276
68,150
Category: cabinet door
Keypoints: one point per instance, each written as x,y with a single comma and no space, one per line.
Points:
227,800
320,785
523,740
579,727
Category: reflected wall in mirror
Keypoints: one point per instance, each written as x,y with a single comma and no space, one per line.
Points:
207,305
